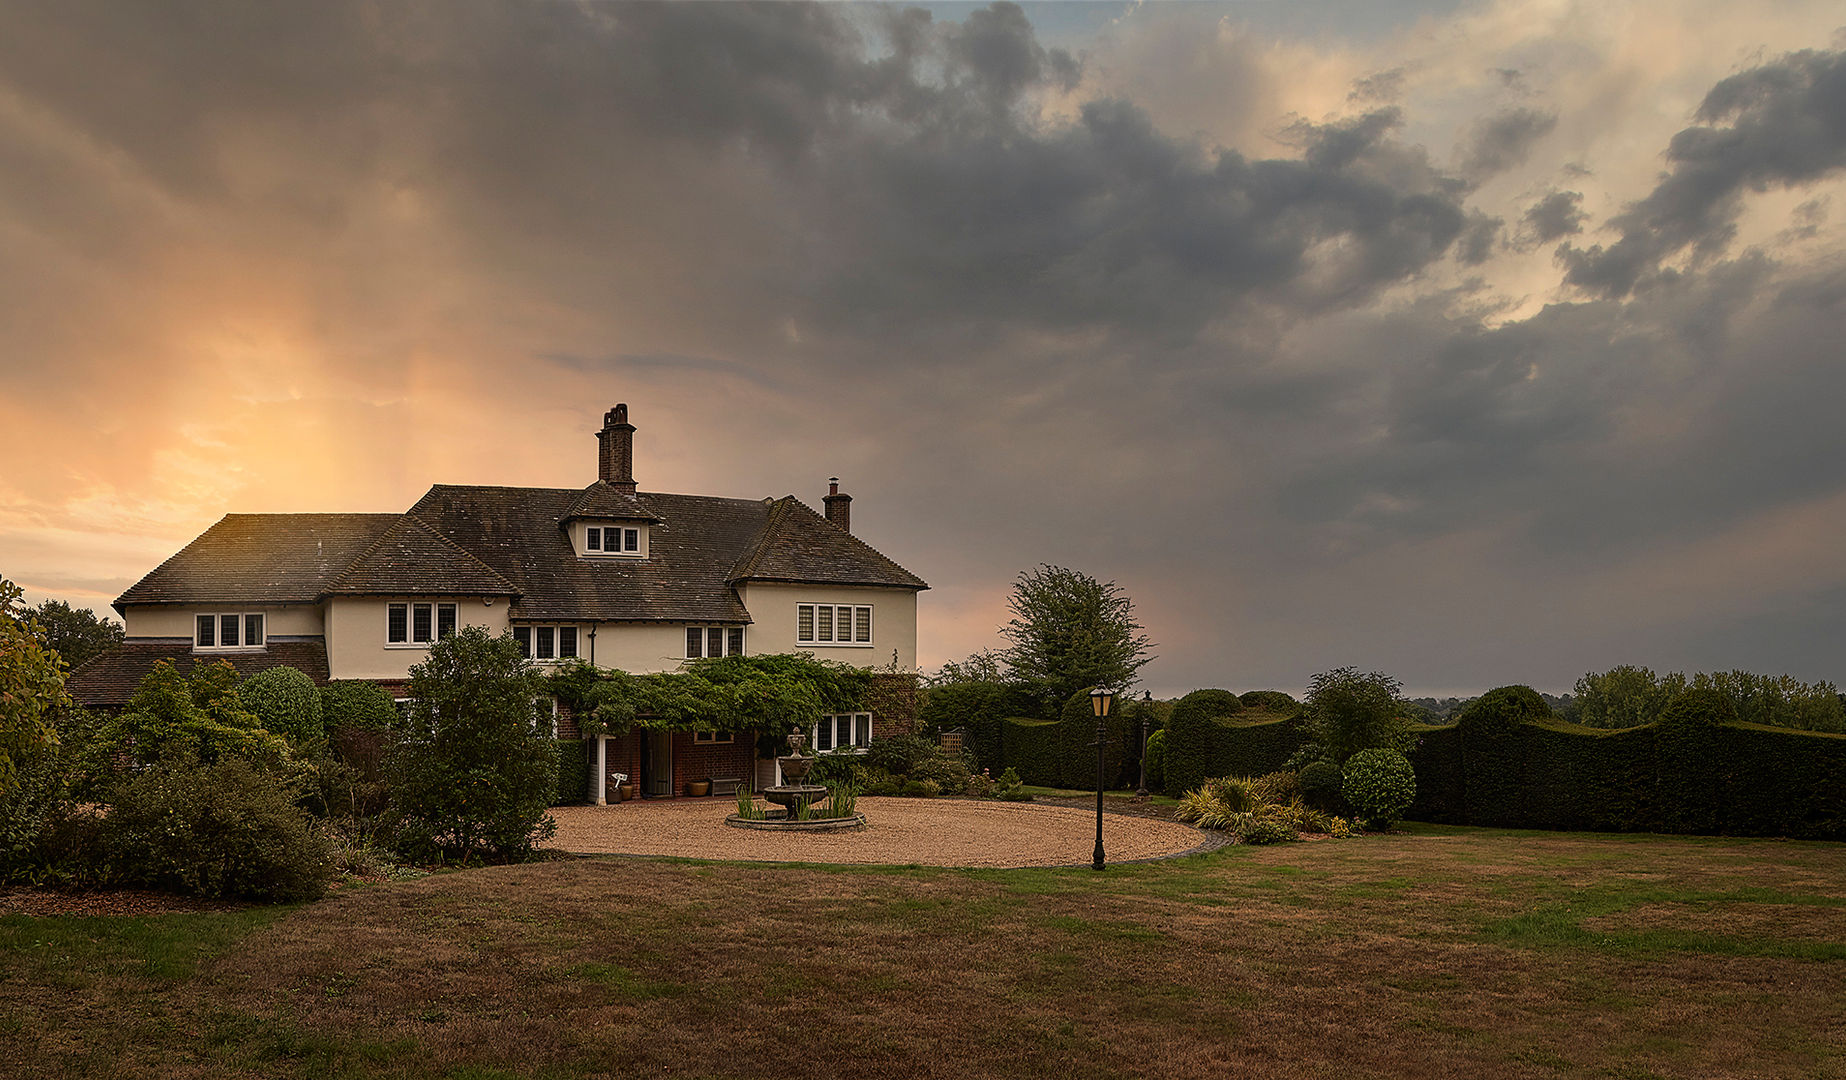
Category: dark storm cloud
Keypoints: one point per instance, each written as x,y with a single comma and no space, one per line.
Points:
1502,141
1555,215
1785,125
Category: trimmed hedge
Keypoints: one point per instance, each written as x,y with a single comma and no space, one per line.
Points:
1203,742
1696,771
573,773
1062,753
1030,747
981,710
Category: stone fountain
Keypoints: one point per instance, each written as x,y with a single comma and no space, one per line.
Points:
791,792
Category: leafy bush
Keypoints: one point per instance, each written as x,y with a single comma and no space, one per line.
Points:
1320,783
473,771
1380,785
1349,711
214,830
286,703
876,781
1157,761
1010,788
979,786
835,767
573,773
900,755
1277,787
946,771
922,789
1266,831
197,716
356,705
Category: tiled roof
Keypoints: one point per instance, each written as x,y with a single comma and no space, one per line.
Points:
603,500
111,677
261,559
413,559
797,544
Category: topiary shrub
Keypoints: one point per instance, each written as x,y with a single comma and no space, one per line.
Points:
218,830
1157,761
1380,785
286,702
1270,701
1319,783
1190,740
1689,761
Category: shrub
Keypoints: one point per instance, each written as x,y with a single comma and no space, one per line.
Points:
1270,701
947,772
286,703
835,767
922,789
1277,787
1157,761
1190,741
1266,831
216,830
473,772
1380,785
1349,711
356,705
979,786
900,755
876,781
197,716
1320,783
1010,788
573,773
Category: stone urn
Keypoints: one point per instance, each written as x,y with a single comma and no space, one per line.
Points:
795,766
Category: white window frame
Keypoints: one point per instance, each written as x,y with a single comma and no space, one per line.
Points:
529,642
243,631
600,550
726,641
859,614
410,607
857,726
714,738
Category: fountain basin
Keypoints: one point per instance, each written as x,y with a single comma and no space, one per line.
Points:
783,824
787,795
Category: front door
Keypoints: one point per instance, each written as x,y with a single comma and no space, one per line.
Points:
657,764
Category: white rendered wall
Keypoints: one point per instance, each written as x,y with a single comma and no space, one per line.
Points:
894,622
176,620
356,646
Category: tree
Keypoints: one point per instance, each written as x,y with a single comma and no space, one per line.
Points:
31,688
76,633
1626,696
198,716
1349,711
982,667
473,771
1071,632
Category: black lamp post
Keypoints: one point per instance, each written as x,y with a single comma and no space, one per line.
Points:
1100,700
1147,710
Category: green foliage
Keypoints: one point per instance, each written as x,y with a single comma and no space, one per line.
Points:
1349,711
198,716
1492,753
980,710
747,807
31,689
1191,743
842,800
285,703
214,830
473,770
900,755
356,705
1320,783
1380,785
1009,788
76,634
1777,700
1260,810
922,789
573,773
1071,632
840,766
774,693
1625,696
1157,760
1274,701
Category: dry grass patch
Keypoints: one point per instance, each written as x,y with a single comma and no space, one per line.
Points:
1442,953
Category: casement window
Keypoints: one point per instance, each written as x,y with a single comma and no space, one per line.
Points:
227,631
546,642
611,540
833,624
418,623
713,738
845,729
713,641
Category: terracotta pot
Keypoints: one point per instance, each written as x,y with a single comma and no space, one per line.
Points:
624,792
698,788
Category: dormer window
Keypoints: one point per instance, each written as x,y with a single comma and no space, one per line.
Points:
607,539
240,631
612,540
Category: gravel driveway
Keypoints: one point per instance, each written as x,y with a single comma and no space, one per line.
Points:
932,832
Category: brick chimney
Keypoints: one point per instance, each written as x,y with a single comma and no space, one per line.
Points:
616,459
839,507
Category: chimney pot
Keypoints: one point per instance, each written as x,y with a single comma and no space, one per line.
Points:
839,507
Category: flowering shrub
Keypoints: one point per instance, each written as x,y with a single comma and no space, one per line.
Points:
1380,785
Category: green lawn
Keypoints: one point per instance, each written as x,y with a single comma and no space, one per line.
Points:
1072,793
1438,952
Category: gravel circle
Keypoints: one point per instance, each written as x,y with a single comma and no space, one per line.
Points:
929,832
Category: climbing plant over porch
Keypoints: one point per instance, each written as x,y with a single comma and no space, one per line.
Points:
774,692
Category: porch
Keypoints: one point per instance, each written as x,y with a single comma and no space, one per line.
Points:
663,765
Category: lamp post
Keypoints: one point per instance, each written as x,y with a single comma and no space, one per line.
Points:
1100,700
1147,710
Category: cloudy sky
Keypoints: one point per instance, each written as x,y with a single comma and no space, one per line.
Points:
1473,342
